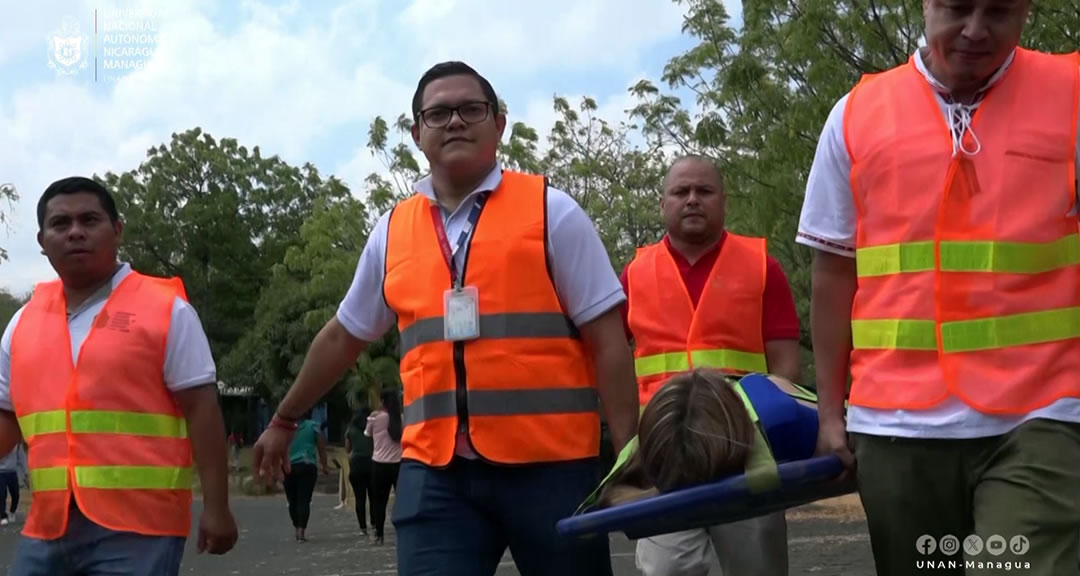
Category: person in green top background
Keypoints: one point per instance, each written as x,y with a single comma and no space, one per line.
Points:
301,476
360,449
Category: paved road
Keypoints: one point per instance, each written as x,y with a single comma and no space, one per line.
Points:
823,540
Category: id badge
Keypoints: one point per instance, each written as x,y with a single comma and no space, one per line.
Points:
461,314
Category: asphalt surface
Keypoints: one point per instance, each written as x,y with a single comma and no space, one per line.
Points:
823,540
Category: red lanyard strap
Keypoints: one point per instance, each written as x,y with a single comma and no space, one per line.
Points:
444,242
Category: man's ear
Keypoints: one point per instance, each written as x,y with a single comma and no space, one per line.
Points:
40,243
415,131
118,228
500,124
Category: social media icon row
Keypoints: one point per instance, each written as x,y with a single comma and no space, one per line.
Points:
972,545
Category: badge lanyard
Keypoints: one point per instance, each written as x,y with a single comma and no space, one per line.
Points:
444,243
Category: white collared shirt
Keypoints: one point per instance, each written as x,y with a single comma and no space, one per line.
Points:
188,361
828,223
584,278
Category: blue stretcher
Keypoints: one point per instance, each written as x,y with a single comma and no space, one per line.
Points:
728,500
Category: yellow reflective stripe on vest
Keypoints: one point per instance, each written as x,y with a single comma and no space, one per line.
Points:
969,256
133,477
968,335
803,393
761,473
113,477
38,423
674,362
134,423
48,479
103,422
893,334
661,364
624,457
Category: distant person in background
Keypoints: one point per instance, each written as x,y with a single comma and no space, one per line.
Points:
301,476
384,426
361,448
12,468
236,442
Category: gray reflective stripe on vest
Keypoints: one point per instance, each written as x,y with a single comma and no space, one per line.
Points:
504,403
522,325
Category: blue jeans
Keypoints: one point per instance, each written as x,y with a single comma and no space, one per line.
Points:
458,521
90,550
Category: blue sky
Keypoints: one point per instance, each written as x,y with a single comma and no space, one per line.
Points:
302,80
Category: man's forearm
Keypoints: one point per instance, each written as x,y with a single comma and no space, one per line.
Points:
834,285
618,393
10,433
331,353
606,340
206,429
784,359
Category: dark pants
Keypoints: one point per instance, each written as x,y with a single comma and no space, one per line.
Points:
383,477
1018,493
299,487
9,485
87,549
460,520
360,478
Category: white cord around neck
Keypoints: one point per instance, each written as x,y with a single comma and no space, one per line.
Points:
960,118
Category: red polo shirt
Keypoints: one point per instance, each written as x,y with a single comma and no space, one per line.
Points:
779,320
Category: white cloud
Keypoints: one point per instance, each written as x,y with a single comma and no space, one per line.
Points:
287,76
516,39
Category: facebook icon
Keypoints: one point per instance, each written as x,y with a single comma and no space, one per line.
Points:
926,544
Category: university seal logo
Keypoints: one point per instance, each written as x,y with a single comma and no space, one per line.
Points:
69,49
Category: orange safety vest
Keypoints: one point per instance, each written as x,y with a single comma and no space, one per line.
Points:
724,332
106,431
968,266
526,386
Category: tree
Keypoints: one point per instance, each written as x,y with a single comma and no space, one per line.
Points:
9,195
303,294
617,184
9,305
218,216
300,296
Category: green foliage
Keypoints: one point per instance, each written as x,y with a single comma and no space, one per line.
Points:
218,216
9,305
9,196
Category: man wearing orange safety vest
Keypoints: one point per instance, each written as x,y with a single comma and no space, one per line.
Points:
704,297
114,420
942,206
511,342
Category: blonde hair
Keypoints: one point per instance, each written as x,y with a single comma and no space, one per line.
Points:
694,430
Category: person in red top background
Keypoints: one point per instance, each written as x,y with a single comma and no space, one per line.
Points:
693,208
695,240
779,322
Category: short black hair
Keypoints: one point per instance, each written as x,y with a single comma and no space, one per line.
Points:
451,68
76,185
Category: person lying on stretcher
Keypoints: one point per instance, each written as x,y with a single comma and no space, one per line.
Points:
703,426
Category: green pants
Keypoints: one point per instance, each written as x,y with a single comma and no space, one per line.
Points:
1005,499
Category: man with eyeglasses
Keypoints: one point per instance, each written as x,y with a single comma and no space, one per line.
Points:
511,341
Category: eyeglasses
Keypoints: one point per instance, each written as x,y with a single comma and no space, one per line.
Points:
469,112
